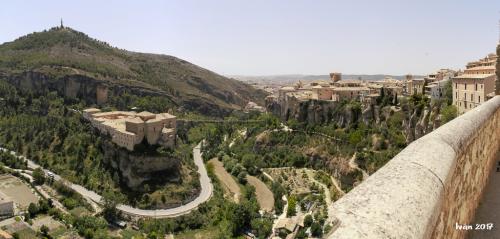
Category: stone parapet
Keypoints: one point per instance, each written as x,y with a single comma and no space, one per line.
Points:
434,183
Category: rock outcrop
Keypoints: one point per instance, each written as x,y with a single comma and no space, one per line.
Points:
417,122
75,86
133,169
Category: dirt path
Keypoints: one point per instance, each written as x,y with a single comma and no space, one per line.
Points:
265,197
353,164
228,183
337,186
328,196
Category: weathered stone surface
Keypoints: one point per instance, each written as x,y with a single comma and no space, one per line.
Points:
93,91
135,170
432,184
381,208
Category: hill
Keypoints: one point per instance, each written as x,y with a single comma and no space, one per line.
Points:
78,66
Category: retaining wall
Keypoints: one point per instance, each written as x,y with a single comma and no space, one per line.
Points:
434,183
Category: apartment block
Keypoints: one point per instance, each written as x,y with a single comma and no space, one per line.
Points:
477,82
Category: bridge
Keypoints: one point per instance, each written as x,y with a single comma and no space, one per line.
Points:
433,188
220,121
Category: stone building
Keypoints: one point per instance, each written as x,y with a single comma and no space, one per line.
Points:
6,206
128,128
437,81
350,93
436,89
475,84
335,76
416,86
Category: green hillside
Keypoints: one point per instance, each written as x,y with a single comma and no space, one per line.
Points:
62,52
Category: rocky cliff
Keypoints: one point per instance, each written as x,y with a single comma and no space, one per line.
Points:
319,112
418,121
76,86
134,169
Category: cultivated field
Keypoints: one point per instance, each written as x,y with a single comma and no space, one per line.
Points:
265,197
294,180
228,183
47,221
17,190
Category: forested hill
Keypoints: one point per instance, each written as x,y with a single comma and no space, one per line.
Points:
61,53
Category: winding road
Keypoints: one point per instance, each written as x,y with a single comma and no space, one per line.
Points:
205,194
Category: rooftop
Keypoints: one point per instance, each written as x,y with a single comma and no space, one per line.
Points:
290,223
490,67
145,113
349,81
473,76
351,88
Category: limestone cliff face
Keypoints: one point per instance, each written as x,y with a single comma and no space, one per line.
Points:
98,91
416,124
135,170
73,86
312,111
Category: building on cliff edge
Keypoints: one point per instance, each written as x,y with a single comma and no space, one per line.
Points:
475,85
129,128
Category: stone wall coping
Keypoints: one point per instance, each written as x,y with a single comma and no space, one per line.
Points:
404,197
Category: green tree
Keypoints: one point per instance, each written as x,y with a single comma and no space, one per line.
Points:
448,113
43,206
292,207
45,231
109,202
242,177
316,230
38,176
301,234
448,92
308,220
262,227
32,209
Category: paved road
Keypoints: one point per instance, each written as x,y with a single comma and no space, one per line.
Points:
28,174
205,194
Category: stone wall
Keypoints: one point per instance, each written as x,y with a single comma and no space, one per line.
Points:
432,184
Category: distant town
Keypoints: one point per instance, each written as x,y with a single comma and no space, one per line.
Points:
479,75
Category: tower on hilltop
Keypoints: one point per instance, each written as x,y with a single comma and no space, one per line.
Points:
62,26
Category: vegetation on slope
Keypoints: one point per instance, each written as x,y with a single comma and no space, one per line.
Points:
44,129
61,52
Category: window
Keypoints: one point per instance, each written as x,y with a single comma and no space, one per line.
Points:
465,86
479,97
476,87
471,97
465,96
456,95
456,85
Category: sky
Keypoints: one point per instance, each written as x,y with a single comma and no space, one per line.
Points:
271,37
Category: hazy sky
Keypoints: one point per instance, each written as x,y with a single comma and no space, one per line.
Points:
264,37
